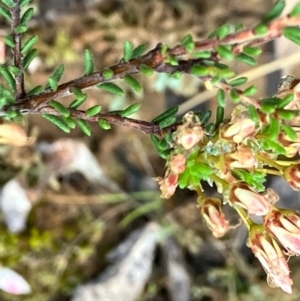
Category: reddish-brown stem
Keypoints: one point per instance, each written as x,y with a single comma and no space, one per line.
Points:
115,119
18,57
156,59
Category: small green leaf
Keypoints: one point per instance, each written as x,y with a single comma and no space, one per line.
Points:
224,52
104,124
111,88
69,121
202,55
88,62
27,16
14,70
21,28
267,108
221,98
77,92
146,70
275,11
252,51
5,13
205,117
274,145
184,178
83,125
75,104
172,60
130,110
57,121
292,33
285,101
274,129
29,57
166,122
59,108
198,70
289,131
9,3
186,39
177,74
286,114
155,140
55,78
260,29
223,31
133,83
8,77
127,51
253,113
164,49
239,27
163,145
93,110
24,2
139,50
246,59
238,81
35,90
234,96
250,91
9,40
295,11
219,116
107,73
29,44
168,113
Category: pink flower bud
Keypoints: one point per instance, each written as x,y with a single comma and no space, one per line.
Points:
190,133
255,203
177,163
215,219
271,257
292,176
285,226
243,157
168,184
239,130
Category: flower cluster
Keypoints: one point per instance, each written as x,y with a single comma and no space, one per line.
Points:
236,156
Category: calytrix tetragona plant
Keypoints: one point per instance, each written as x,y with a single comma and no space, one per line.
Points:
235,154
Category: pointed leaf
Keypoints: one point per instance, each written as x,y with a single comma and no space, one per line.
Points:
168,113
127,51
111,88
133,83
57,121
130,110
104,124
246,59
221,98
27,16
275,11
88,62
8,77
5,13
29,57
83,125
59,108
29,44
93,110
238,81
139,50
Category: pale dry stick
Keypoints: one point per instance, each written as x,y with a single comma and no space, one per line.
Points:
250,74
